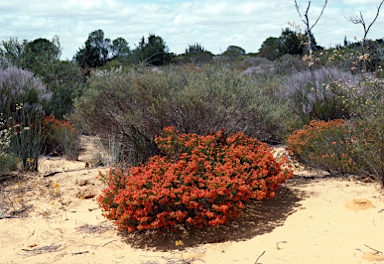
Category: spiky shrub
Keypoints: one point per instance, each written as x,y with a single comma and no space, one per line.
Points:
21,98
59,137
199,181
324,145
133,106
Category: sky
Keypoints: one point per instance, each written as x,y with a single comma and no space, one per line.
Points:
211,23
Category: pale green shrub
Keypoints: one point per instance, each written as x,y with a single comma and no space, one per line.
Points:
135,105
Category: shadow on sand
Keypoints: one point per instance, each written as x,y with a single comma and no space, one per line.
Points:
259,217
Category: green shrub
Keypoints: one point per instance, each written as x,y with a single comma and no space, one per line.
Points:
290,64
8,163
324,145
59,137
366,101
133,106
200,181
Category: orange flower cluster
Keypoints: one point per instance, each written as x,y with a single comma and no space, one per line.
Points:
323,144
200,181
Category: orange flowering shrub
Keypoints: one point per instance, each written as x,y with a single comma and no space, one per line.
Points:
59,137
199,181
324,145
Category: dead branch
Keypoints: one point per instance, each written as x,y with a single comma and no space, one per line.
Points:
305,19
259,257
360,20
51,174
108,243
79,253
377,251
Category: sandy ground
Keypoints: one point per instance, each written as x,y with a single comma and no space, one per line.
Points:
52,217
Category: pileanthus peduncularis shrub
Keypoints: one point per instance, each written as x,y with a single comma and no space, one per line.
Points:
198,181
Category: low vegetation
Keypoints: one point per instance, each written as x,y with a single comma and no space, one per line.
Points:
196,180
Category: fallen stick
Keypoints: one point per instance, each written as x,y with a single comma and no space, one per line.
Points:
51,174
8,216
259,257
79,253
377,251
108,242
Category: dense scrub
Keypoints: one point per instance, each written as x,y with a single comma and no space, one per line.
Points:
133,106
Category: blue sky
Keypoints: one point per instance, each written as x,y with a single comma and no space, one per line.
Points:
213,24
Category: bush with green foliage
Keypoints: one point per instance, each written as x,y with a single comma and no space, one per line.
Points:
135,105
324,145
154,52
64,79
59,137
199,181
365,99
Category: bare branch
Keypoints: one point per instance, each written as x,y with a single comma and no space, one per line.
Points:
297,8
308,6
377,14
305,19
321,13
360,20
355,20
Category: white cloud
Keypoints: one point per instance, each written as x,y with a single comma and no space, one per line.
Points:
213,24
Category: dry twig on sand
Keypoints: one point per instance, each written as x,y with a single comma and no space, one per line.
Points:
376,251
259,257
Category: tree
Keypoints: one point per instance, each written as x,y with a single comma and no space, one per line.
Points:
269,49
98,50
42,57
153,52
289,43
95,52
360,20
120,48
12,51
195,54
194,49
308,26
233,52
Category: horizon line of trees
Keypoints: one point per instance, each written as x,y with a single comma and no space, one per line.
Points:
98,50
